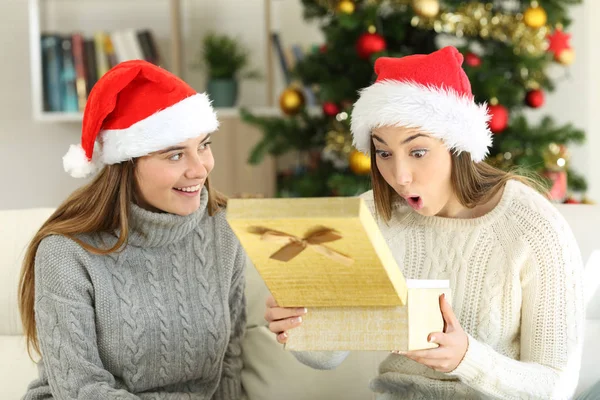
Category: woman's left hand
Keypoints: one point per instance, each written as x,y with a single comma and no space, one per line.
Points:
453,343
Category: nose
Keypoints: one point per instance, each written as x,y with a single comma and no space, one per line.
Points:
197,168
403,173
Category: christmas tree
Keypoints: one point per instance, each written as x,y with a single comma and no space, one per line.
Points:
508,46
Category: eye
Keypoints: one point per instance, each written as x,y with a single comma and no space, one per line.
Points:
176,157
418,153
204,146
383,154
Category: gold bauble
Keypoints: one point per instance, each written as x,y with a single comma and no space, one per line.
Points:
535,17
426,8
345,7
566,57
291,101
359,163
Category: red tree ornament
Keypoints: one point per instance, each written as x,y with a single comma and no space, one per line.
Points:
369,44
499,118
535,98
558,42
330,109
472,60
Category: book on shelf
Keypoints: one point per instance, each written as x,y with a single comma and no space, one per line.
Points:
329,255
73,63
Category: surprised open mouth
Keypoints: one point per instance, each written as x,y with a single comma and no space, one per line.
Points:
416,202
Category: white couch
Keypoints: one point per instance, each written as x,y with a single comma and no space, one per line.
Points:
269,372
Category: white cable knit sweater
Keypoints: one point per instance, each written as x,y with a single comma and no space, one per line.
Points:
515,275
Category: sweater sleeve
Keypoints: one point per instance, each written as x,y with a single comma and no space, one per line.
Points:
65,318
552,318
230,384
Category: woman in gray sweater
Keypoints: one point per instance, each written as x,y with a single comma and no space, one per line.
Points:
134,287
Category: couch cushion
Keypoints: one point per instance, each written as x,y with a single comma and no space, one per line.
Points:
16,368
584,221
17,227
589,374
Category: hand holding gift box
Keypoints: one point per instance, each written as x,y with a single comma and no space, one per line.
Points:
328,255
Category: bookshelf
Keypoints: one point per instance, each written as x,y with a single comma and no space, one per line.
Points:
88,16
68,16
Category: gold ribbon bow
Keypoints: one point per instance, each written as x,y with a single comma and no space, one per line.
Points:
295,245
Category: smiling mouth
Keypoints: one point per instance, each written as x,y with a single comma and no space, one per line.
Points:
189,189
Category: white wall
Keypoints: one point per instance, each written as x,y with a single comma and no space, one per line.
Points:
30,153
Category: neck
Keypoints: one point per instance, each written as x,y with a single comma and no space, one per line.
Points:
454,208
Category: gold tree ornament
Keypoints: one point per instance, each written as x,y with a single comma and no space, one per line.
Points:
426,8
359,163
291,101
346,7
535,16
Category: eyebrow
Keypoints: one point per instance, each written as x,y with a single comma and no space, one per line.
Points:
413,137
175,148
172,148
409,139
379,139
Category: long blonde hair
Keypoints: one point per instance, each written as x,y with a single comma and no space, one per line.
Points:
100,206
473,183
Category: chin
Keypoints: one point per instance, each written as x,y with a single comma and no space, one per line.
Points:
428,212
185,211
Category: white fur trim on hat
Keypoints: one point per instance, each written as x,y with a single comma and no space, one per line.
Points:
443,113
189,118
76,163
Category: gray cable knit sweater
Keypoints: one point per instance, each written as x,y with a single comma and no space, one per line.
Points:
163,319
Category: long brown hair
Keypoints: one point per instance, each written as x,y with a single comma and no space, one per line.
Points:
473,183
100,206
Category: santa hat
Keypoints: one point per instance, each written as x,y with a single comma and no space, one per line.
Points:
430,92
135,109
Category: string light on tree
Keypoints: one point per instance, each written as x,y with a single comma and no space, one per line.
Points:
535,16
556,157
339,143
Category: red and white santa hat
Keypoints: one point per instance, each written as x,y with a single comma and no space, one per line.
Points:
135,109
429,92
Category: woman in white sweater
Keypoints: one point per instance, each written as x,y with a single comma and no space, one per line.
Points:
514,330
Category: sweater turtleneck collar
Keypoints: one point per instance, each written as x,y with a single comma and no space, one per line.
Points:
153,229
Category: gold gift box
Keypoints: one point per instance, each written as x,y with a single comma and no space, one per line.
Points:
328,254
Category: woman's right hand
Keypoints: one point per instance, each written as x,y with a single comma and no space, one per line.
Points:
282,319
